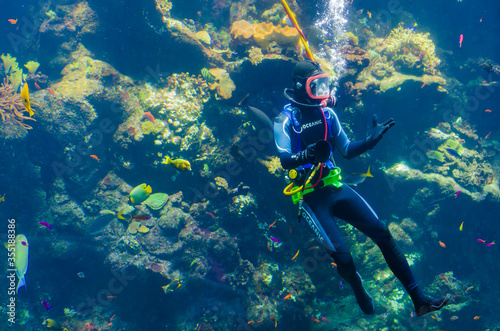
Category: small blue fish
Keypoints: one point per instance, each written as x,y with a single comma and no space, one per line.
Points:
452,152
435,202
413,27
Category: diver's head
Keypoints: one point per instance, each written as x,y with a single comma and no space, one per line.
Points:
310,84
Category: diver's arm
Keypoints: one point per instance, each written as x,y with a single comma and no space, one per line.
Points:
347,148
350,149
282,138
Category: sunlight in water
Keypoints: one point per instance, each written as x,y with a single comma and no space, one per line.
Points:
332,22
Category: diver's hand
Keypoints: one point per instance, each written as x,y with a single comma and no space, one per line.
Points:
306,156
318,152
377,131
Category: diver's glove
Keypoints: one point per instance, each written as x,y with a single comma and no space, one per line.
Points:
306,156
318,152
377,131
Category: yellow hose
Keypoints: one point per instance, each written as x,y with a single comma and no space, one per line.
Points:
287,191
294,21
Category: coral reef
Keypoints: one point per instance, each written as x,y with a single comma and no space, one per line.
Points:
412,51
264,33
403,57
200,249
12,107
223,83
273,165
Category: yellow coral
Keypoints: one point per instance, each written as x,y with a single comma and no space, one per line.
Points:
204,37
273,165
151,128
8,62
352,39
12,107
16,78
412,49
224,84
268,32
242,30
133,227
221,182
264,33
255,55
32,66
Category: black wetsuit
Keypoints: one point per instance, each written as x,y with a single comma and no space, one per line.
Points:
294,130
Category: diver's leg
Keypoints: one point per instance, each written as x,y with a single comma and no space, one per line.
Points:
318,210
354,209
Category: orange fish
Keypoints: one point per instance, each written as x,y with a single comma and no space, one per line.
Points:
250,322
12,21
51,91
296,254
443,277
149,116
270,226
37,86
290,229
315,320
334,264
369,14
454,318
94,157
288,296
422,85
111,297
491,179
442,244
477,317
488,135
112,317
211,215
488,110
468,289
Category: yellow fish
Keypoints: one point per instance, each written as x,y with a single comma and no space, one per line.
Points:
140,193
366,174
25,94
178,164
21,249
51,324
461,226
2,198
120,213
174,285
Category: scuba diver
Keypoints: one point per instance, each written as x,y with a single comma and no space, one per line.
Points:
306,132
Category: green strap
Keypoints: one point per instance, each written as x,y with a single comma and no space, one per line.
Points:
333,178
